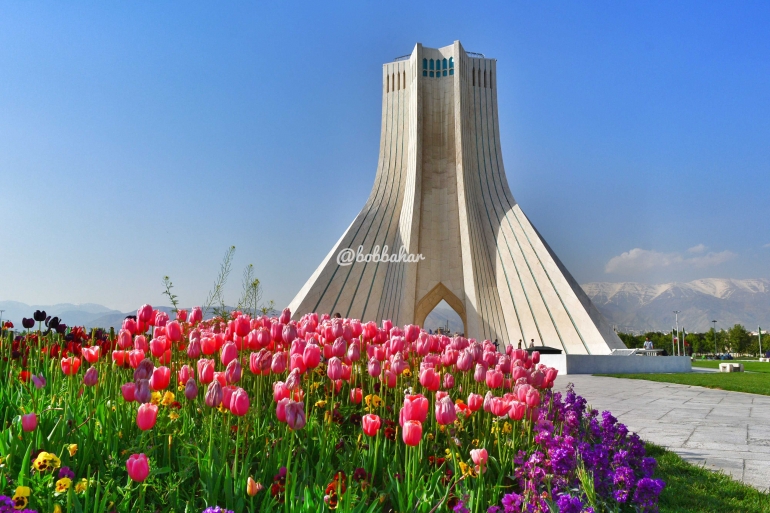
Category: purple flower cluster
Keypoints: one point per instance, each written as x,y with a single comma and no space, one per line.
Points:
217,509
576,447
7,506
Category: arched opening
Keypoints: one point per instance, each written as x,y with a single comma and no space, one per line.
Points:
444,319
439,294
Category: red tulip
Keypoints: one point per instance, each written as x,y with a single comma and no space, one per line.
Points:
138,467
181,315
371,424
412,432
146,416
161,377
70,366
242,325
140,343
356,395
29,422
135,357
208,345
120,358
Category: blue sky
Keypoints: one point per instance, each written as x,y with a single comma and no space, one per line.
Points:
141,139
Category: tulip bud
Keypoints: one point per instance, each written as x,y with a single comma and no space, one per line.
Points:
253,487
142,392
214,394
138,467
29,422
91,377
191,389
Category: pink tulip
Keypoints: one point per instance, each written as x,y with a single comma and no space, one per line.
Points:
140,343
145,313
129,325
487,402
135,357
205,371
181,315
138,467
521,392
480,374
449,381
533,398
480,458
233,372
415,408
280,409
411,432
38,380
535,357
260,362
293,380
295,415
373,368
296,361
242,325
517,410
285,316
371,424
29,422
334,369
228,354
445,411
161,377
91,377
91,354
465,361
146,416
475,402
498,406
494,378
311,356
161,319
430,379
289,333
278,365
354,352
184,373
280,391
174,331
196,315
356,395
239,402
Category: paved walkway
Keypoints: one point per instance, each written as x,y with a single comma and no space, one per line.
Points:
722,430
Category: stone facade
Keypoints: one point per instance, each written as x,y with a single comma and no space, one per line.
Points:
441,191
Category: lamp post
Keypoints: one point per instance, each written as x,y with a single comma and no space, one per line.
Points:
715,337
759,334
676,316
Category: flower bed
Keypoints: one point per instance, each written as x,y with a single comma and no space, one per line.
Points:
268,414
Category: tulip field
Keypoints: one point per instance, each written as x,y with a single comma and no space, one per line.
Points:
271,414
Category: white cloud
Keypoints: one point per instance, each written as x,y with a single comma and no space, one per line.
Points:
766,245
639,259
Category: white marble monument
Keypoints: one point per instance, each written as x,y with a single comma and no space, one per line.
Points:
441,194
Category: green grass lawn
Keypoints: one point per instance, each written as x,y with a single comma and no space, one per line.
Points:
690,488
753,383
754,366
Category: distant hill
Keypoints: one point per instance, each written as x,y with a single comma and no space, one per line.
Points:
637,307
85,314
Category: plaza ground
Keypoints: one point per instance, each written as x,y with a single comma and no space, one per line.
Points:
721,430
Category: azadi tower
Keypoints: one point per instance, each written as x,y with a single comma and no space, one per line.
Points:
441,192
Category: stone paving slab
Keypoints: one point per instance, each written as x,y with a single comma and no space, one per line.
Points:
721,430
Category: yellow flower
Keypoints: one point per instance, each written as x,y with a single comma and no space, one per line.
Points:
46,461
155,398
407,373
430,436
20,501
180,387
467,470
63,484
373,401
475,442
222,408
507,428
168,398
22,491
73,449
173,415
56,508
320,404
81,486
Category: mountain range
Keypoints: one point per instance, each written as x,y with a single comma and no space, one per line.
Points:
630,307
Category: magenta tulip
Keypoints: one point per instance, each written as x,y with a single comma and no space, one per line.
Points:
138,467
196,315
29,422
334,369
191,389
145,313
91,377
161,378
445,411
239,402
174,331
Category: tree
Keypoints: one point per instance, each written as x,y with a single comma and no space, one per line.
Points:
738,339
